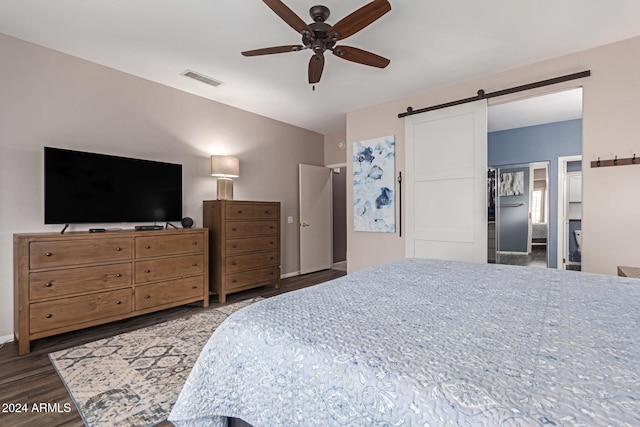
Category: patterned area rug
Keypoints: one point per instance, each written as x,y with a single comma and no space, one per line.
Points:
134,379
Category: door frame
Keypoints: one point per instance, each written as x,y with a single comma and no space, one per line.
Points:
563,232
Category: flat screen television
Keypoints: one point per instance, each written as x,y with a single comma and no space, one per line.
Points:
82,187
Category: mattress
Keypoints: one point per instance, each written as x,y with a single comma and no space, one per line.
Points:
423,342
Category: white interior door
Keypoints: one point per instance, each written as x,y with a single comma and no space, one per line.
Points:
446,176
316,231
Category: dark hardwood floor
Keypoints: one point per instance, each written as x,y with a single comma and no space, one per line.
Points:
31,380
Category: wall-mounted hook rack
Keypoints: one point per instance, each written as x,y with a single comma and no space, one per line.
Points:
615,162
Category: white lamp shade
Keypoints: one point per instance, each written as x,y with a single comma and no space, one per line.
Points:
225,166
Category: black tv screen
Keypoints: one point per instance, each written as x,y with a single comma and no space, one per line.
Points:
84,187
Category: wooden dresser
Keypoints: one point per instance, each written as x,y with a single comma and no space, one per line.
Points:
64,282
244,244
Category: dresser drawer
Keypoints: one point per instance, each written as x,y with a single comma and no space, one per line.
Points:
237,263
154,246
75,252
251,211
57,283
168,268
248,278
236,229
147,296
251,244
70,311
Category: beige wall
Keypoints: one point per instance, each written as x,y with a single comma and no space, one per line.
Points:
51,99
611,127
333,153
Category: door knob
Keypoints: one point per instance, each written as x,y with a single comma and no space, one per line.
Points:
304,224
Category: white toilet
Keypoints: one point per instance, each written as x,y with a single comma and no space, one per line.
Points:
578,234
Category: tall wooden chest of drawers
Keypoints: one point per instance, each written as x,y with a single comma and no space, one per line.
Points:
244,244
65,282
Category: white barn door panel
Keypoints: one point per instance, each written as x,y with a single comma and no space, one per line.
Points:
446,183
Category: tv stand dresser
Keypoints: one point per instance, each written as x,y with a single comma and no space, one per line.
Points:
65,282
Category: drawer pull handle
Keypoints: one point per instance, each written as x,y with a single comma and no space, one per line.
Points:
239,212
234,263
267,212
48,254
48,284
271,227
147,271
271,274
195,243
147,296
118,249
195,264
148,247
271,258
194,287
271,243
233,229
49,316
118,302
234,246
234,281
118,275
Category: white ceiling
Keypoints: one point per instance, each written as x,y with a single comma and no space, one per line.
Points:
550,108
430,44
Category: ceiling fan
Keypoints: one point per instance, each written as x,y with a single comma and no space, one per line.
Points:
320,36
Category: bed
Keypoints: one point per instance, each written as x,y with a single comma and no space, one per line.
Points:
419,342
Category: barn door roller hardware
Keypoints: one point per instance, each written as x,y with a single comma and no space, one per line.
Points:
482,95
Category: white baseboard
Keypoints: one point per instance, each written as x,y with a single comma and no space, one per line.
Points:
512,253
284,276
6,338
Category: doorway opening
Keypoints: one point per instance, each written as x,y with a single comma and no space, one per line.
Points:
519,232
526,139
339,217
570,213
323,217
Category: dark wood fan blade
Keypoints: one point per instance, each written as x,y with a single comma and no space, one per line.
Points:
275,49
356,21
316,65
360,56
288,16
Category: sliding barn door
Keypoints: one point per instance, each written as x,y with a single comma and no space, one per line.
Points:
446,183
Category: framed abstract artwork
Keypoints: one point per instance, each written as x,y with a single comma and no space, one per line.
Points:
512,183
374,201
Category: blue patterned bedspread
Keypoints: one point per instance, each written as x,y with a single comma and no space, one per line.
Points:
426,343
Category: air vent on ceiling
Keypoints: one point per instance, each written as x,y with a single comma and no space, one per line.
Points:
202,78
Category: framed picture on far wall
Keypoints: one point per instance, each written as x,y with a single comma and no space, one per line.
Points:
511,183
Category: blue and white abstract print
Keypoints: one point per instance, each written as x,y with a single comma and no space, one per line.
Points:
374,185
